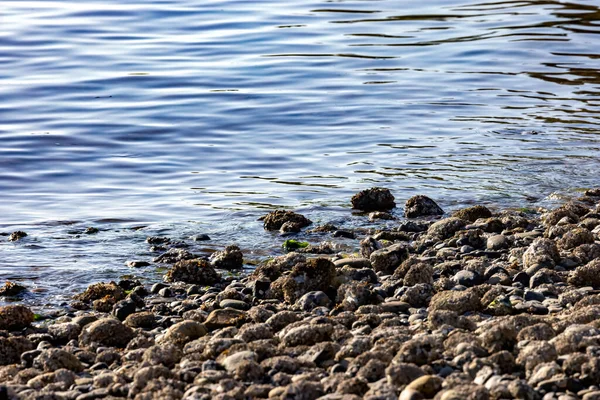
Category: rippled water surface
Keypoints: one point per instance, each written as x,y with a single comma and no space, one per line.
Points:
190,116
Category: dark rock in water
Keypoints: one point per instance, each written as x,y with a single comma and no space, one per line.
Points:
200,238
593,192
230,258
275,219
129,284
472,214
137,264
11,289
375,215
15,317
420,206
344,234
413,226
174,255
18,235
373,199
91,230
199,272
157,240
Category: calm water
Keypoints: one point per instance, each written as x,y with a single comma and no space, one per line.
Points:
192,116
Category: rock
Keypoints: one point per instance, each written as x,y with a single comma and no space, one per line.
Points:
64,332
472,214
419,273
389,258
467,278
307,335
420,206
110,291
373,199
315,274
230,258
174,255
536,353
357,263
200,238
106,332
11,289
401,374
312,300
144,320
137,264
193,271
183,332
15,317
17,235
54,359
237,304
253,332
232,362
575,238
587,275
223,318
275,219
123,309
375,215
395,307
167,354
428,385
460,302
13,348
542,252
446,228
497,242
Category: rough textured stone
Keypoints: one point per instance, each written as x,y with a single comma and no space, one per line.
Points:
587,275
106,332
460,302
55,359
183,332
446,228
15,317
199,272
275,219
472,214
542,252
230,258
389,258
419,206
374,199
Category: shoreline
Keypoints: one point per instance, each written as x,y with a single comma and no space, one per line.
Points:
476,305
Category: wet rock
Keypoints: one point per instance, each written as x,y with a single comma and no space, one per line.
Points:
497,242
223,318
174,255
183,332
446,228
275,219
460,302
54,359
542,252
344,234
373,199
15,317
230,258
137,264
17,235
98,291
389,258
11,289
587,275
198,272
420,206
357,263
106,332
472,214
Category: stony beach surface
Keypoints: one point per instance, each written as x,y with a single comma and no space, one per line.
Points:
479,304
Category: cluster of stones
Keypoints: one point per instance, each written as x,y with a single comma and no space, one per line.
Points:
476,305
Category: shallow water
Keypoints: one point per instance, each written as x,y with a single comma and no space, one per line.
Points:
192,114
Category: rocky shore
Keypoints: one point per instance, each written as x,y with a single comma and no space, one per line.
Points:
478,305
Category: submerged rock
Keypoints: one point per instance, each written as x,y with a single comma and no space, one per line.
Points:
274,220
100,291
15,236
373,199
11,289
420,206
472,214
230,258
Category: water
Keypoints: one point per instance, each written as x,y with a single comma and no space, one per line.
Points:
196,116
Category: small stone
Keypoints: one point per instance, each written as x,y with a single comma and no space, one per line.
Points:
307,335
200,238
312,300
542,252
375,215
54,359
344,234
237,304
137,264
419,206
497,242
446,228
401,374
144,320
373,199
64,332
467,278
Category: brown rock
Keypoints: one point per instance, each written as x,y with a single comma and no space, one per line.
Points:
374,199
